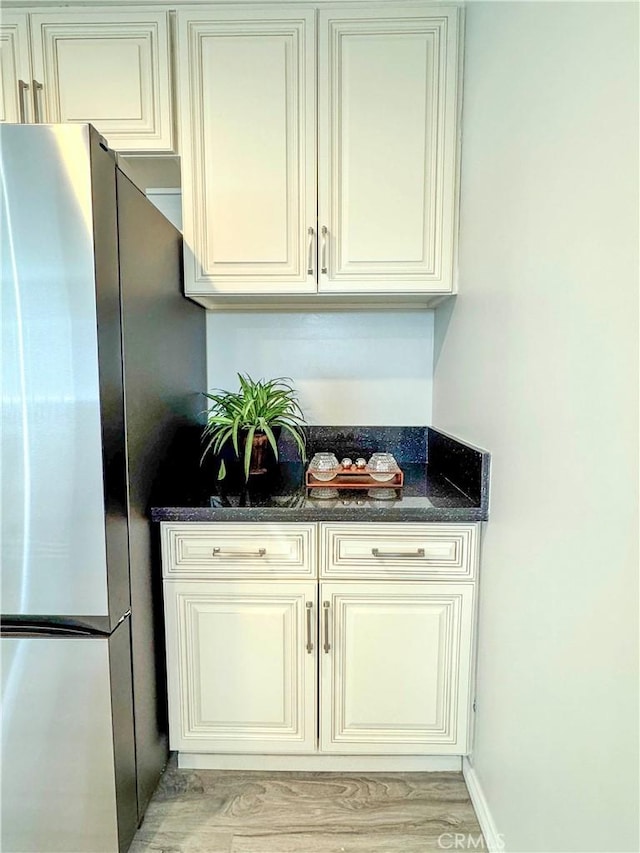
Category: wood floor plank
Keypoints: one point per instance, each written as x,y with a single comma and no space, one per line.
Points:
181,841
281,812
365,843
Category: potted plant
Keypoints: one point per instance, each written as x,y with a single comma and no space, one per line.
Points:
251,419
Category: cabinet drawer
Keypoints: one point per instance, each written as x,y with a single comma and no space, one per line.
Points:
399,551
212,550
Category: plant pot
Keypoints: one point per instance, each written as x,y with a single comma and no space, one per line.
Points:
262,456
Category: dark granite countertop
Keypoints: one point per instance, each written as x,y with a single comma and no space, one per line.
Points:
445,481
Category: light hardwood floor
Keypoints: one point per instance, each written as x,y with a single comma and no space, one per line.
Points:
211,811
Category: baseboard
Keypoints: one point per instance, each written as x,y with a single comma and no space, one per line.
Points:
329,763
494,842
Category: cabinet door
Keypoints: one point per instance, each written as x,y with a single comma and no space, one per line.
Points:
247,101
241,666
110,69
15,79
395,671
387,149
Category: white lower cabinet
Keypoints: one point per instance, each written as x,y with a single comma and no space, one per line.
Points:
242,668
395,671
305,665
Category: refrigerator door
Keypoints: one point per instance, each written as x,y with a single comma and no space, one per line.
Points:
52,536
68,773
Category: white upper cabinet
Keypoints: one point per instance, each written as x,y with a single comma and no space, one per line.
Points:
109,68
15,78
387,149
247,95
376,214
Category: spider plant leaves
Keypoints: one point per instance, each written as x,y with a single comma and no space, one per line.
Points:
266,429
258,407
248,448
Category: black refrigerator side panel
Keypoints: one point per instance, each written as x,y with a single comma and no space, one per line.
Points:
164,358
124,754
105,226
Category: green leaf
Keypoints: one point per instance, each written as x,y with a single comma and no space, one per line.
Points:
299,440
222,472
236,429
271,437
247,451
221,439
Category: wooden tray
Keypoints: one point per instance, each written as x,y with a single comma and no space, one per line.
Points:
354,478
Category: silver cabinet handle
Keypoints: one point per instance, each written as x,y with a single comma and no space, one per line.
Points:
327,645
325,240
22,107
309,627
37,87
218,552
310,261
408,555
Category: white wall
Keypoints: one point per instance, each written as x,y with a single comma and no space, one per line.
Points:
151,171
168,200
356,367
538,363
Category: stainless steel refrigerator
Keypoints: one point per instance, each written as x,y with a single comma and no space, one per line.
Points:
103,362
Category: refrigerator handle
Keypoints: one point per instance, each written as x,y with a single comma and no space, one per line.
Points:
8,630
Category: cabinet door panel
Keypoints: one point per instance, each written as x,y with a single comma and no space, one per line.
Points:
388,149
111,70
396,676
241,678
248,145
14,67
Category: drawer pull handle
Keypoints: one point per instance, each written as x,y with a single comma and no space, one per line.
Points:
327,645
218,552
410,555
309,627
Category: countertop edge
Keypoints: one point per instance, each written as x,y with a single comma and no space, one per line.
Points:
347,514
